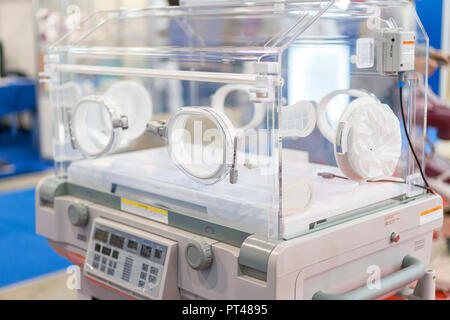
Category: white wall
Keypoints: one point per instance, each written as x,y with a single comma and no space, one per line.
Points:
17,35
17,28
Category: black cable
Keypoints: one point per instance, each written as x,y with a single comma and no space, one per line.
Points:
329,175
401,84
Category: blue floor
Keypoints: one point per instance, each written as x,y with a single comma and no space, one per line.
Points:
21,154
23,254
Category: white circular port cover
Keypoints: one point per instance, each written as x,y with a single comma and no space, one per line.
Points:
100,124
92,126
219,98
368,141
132,100
323,122
201,143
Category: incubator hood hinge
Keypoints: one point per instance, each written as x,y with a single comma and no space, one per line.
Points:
50,189
49,68
267,79
158,128
254,256
121,123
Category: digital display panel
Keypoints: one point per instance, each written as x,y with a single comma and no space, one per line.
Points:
146,251
132,244
101,235
116,241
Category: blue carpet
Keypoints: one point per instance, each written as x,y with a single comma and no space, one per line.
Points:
23,253
22,155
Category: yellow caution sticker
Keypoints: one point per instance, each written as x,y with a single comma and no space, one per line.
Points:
145,210
431,214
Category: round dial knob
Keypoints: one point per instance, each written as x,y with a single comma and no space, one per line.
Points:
78,214
199,254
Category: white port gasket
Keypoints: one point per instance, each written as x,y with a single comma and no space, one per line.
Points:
139,112
322,120
176,146
219,98
384,154
79,132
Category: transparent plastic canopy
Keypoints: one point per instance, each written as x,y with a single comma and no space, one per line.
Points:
271,118
224,27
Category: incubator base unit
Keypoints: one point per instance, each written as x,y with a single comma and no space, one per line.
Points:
125,253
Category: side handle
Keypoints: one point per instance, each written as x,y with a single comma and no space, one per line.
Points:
412,269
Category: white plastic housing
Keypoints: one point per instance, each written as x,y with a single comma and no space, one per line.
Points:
396,51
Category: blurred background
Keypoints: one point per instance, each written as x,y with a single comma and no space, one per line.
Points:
27,29
30,268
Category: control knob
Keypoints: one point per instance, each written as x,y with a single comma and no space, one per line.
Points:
78,214
198,254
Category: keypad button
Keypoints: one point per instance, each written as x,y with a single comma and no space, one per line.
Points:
145,267
127,268
95,265
143,275
115,254
106,251
98,247
96,257
103,268
115,265
154,271
111,263
152,279
104,260
111,272
141,284
158,254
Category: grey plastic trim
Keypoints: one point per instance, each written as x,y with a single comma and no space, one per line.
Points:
253,273
412,269
51,188
95,196
159,200
255,252
208,229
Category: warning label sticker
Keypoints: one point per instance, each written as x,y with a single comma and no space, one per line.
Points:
145,210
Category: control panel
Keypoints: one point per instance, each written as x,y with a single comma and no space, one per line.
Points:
131,261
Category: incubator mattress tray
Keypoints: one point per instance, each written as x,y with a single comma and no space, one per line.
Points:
149,176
